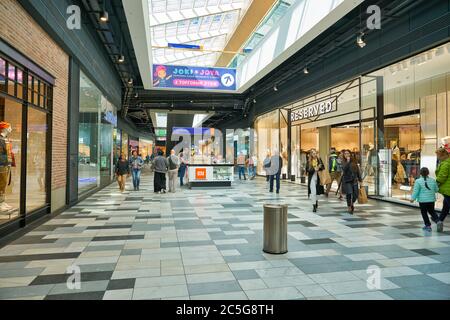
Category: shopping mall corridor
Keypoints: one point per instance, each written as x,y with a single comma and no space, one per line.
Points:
207,244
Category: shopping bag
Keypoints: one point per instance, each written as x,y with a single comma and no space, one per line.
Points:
362,196
324,177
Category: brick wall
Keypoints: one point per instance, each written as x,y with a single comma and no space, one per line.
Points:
26,36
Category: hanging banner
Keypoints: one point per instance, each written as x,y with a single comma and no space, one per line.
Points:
181,77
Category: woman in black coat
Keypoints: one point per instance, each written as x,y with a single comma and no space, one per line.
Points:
351,176
313,166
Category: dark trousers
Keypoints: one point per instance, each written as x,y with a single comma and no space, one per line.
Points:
159,182
352,196
277,178
428,208
445,208
242,171
181,174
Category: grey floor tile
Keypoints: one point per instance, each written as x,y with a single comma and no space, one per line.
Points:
213,287
245,274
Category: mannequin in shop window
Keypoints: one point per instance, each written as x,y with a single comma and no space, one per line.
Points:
400,174
6,162
368,170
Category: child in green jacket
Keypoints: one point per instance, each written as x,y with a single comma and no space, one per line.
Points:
425,189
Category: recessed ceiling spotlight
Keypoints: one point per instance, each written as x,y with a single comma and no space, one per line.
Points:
306,70
130,81
254,100
121,59
275,88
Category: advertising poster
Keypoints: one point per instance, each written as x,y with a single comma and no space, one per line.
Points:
182,77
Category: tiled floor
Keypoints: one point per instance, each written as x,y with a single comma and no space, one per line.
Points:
207,244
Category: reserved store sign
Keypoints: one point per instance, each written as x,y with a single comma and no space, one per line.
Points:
314,110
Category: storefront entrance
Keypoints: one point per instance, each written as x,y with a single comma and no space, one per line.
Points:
392,120
338,118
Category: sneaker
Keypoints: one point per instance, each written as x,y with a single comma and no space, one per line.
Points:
440,226
427,228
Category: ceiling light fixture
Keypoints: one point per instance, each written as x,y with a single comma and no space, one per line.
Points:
121,59
254,100
275,88
360,40
104,16
130,81
306,70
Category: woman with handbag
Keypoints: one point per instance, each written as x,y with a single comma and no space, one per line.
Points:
315,188
351,176
122,171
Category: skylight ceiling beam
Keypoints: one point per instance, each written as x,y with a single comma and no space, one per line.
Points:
194,17
248,24
175,16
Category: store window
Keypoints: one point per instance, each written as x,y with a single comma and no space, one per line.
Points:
107,125
416,108
117,137
267,129
36,154
98,118
10,156
145,148
88,150
125,144
13,103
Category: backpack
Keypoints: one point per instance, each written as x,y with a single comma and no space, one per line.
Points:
172,165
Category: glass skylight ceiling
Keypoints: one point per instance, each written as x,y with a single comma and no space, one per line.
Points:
272,18
208,23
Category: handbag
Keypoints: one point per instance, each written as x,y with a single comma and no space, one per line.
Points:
324,177
362,196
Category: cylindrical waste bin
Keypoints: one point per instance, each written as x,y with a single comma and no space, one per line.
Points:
275,228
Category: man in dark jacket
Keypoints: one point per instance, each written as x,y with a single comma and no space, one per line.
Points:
276,165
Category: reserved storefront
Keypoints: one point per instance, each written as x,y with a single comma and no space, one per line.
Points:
393,119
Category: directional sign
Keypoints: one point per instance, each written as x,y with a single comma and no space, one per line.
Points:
165,76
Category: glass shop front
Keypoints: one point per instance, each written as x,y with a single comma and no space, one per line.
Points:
392,119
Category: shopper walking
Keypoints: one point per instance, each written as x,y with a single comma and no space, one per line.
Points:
334,168
182,169
350,178
241,165
160,165
313,166
425,189
443,181
251,168
174,165
276,166
122,171
136,164
266,164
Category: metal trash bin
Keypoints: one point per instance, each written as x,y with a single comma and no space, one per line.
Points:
275,228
